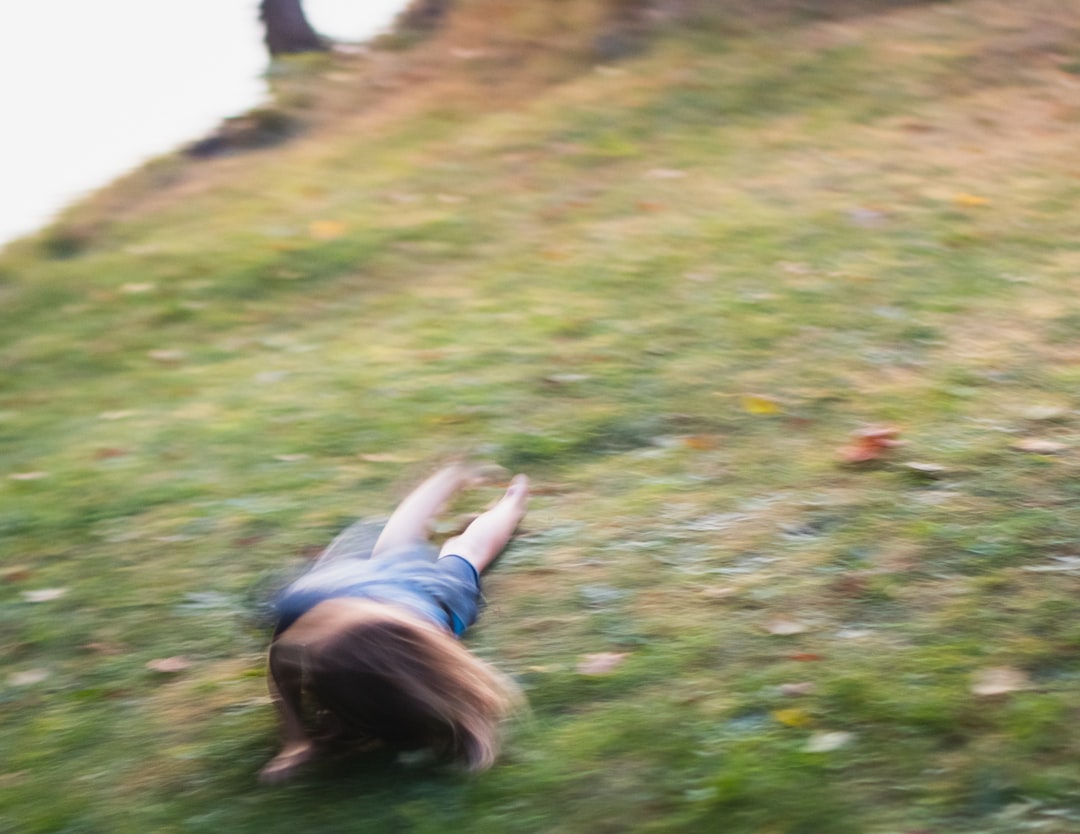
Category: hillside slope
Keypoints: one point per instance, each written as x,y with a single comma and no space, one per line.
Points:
669,287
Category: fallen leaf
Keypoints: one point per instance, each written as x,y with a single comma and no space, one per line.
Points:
385,457
1045,413
28,678
827,742
1038,446
169,665
757,404
931,471
665,174
785,628
166,355
794,690
137,288
326,229
999,680
600,663
870,444
701,442
806,657
1060,564
566,379
16,573
792,717
965,200
850,585
28,476
44,594
105,454
853,633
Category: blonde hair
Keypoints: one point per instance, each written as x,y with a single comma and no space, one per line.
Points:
394,678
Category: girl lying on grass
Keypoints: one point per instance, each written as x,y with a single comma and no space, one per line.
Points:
369,636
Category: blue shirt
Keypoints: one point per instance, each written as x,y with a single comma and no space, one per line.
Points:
445,591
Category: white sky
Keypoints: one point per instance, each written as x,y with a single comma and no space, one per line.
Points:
90,88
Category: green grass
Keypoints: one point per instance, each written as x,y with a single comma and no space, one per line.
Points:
588,276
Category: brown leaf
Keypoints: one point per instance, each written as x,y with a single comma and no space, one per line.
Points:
326,229
28,476
850,585
167,356
665,174
16,573
169,665
1038,446
600,663
870,444
806,657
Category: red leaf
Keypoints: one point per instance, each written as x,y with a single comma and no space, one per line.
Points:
870,444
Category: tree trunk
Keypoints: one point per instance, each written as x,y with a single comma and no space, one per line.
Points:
287,30
423,15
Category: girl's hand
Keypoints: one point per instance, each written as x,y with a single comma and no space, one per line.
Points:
284,765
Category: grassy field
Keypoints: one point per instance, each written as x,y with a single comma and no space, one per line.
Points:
669,288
